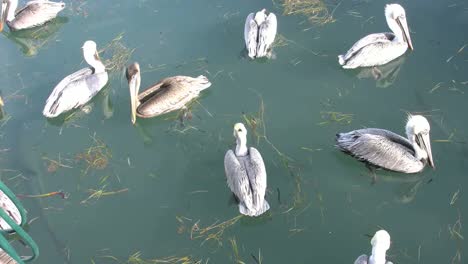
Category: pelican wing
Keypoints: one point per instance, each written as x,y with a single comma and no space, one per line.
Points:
170,94
363,259
74,91
381,148
257,177
251,35
237,179
36,13
266,35
365,41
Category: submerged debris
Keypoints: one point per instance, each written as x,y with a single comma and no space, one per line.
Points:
336,117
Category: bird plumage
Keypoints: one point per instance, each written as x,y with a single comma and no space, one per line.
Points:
259,33
78,88
380,48
34,13
246,175
385,149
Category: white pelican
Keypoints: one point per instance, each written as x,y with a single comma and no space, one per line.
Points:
167,95
259,33
246,175
385,149
78,88
33,14
380,244
380,48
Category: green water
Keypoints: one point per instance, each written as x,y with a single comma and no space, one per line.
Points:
323,203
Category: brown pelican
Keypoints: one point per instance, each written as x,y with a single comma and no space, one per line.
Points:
380,244
380,48
33,14
167,95
246,175
385,149
259,33
78,88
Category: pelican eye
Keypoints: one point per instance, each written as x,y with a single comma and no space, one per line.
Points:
239,130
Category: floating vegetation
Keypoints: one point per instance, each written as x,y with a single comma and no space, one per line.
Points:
316,11
235,250
136,258
213,232
97,194
335,117
299,197
62,194
118,54
453,86
96,156
458,52
280,41
454,197
54,165
256,122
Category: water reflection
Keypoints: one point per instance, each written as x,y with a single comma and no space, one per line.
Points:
30,41
408,186
384,75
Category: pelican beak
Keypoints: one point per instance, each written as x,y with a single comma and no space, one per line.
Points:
134,85
426,145
96,56
404,28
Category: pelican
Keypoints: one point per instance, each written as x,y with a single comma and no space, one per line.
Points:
33,14
167,95
78,88
259,33
380,48
246,175
380,244
385,149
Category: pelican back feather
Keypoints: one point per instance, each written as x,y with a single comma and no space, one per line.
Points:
170,94
381,148
266,35
363,259
36,13
238,182
74,91
258,180
251,35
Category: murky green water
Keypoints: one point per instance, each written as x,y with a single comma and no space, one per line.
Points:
170,179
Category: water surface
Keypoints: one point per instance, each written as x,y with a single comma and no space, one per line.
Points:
323,203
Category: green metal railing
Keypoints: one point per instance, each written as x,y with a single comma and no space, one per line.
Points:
4,243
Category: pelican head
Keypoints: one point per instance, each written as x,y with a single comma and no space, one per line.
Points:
91,56
260,16
396,19
133,78
417,130
240,130
381,240
240,133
